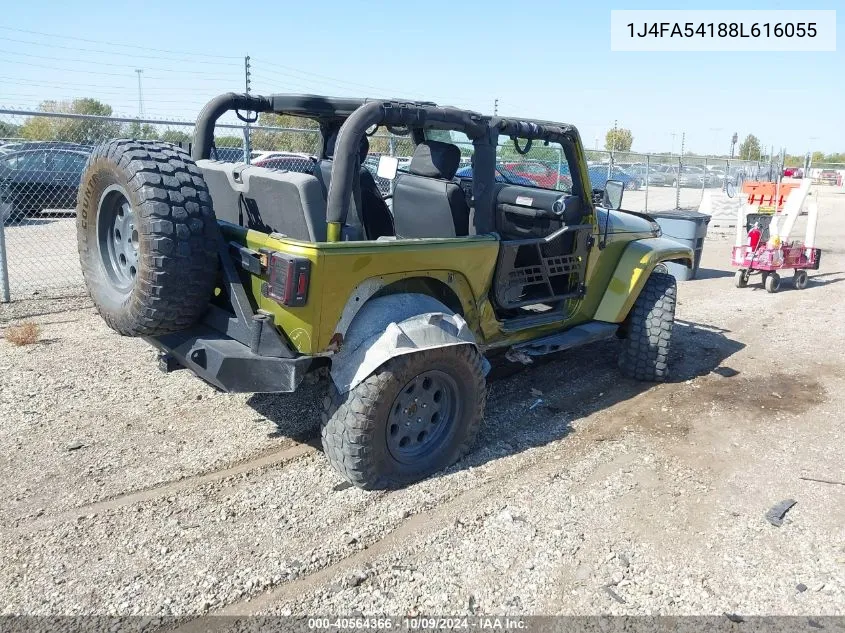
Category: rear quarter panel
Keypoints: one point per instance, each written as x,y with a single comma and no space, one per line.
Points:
465,265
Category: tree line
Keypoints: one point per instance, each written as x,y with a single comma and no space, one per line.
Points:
299,134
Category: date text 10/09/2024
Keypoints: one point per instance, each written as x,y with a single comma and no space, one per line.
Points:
722,29
420,623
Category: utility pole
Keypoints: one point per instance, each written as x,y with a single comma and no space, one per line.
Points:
495,107
247,139
734,139
140,72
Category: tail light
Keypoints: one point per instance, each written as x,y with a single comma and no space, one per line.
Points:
289,279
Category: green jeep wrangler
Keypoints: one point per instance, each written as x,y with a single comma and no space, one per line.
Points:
253,278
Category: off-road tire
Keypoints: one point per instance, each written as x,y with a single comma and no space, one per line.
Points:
645,349
354,424
177,236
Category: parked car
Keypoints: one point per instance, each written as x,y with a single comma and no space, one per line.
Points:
18,146
289,161
716,176
828,176
501,176
600,174
33,180
690,176
543,175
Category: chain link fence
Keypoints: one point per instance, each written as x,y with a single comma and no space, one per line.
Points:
43,157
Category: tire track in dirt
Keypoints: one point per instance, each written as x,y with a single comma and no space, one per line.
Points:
416,528
276,457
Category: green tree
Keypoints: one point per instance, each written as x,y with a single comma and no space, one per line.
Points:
175,136
286,140
87,131
618,139
9,130
818,157
142,131
749,149
228,141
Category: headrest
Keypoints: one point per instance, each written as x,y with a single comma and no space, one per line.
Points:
362,151
434,159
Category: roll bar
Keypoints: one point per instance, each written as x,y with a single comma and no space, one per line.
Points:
312,106
391,113
358,115
213,110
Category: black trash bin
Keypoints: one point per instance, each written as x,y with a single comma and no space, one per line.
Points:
687,227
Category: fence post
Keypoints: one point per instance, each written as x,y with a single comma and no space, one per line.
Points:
678,184
4,262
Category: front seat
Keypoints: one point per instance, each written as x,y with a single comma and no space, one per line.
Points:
369,217
426,201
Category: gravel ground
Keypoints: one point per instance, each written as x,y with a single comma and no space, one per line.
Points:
126,491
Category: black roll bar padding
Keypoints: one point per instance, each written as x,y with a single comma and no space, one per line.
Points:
396,113
482,214
566,135
217,107
346,153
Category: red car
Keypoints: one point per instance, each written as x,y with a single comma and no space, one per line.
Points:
545,176
792,172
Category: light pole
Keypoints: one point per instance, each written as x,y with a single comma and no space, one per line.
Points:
673,135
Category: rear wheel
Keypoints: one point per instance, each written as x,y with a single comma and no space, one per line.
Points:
414,416
147,237
645,352
772,283
799,279
741,278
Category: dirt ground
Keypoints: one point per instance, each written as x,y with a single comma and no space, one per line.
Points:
127,491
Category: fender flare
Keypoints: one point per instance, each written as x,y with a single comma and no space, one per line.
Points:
394,325
637,262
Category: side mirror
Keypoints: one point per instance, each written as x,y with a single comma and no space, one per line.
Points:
387,167
612,198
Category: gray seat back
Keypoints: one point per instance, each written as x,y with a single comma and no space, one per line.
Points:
268,200
426,201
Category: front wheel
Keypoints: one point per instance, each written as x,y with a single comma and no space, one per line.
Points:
741,278
772,283
414,416
799,279
645,352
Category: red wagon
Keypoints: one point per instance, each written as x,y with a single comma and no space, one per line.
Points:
769,261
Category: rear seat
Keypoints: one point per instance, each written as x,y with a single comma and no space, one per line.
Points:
268,200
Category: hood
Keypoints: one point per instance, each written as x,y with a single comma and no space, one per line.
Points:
627,222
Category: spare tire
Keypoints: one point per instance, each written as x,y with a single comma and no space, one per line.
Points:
147,237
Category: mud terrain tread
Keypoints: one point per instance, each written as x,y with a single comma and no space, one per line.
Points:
178,234
351,421
645,352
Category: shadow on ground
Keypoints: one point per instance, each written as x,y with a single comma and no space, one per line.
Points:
712,273
530,406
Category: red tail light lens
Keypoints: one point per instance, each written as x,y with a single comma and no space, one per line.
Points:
289,279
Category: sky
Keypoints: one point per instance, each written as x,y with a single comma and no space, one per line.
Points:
546,59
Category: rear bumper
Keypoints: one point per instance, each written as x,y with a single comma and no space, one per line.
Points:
228,364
